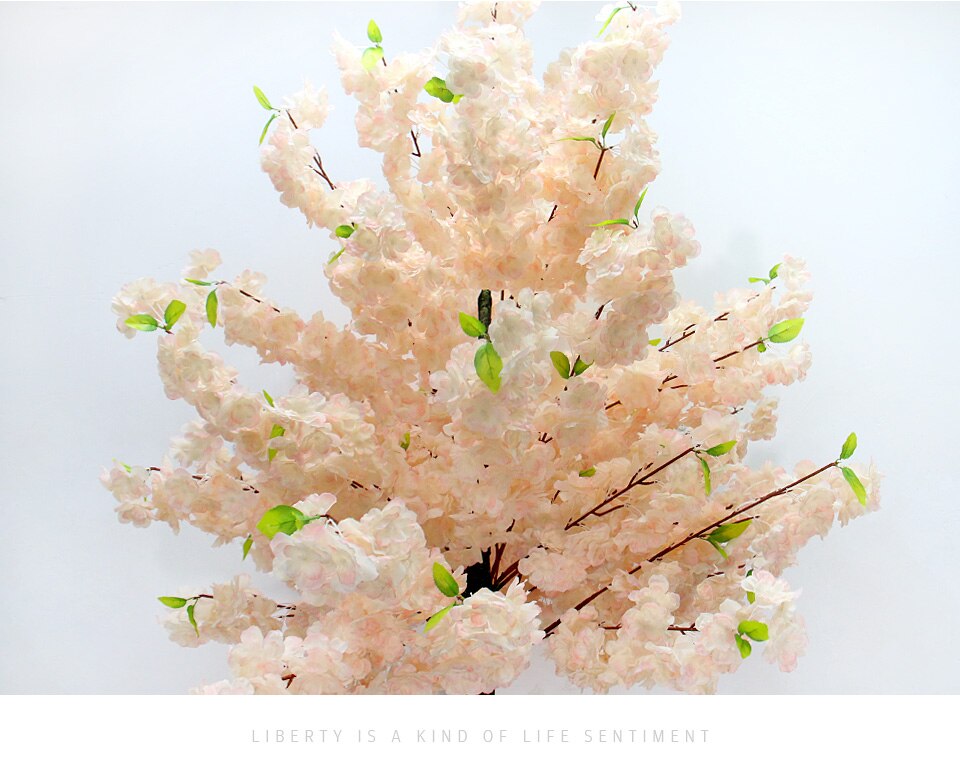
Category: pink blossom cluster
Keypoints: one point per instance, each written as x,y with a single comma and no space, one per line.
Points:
571,492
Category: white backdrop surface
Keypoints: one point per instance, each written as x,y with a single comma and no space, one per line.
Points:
129,137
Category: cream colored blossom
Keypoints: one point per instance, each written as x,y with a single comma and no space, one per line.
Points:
572,502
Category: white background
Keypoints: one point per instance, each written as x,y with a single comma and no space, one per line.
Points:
129,136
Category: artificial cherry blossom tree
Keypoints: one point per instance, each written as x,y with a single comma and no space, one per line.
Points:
523,434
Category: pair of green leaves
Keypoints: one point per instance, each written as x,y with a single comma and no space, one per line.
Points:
265,102
771,275
177,602
342,231
750,629
438,89
487,360
478,327
630,223
283,519
717,450
780,333
276,431
601,144
447,585
849,446
374,54
213,303
171,315
726,533
751,596
562,363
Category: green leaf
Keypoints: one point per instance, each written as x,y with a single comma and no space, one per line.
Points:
335,256
636,207
562,363
584,138
192,618
488,365
174,602
438,89
271,454
719,548
655,342
142,322
266,396
277,431
266,127
726,533
472,326
444,581
264,101
606,125
754,630
579,367
849,446
173,312
607,22
344,231
196,282
589,472
751,596
405,440
774,270
371,57
761,347
212,303
855,484
743,645
436,617
785,331
758,280
373,32
281,519
247,545
618,221
721,449
457,97
706,474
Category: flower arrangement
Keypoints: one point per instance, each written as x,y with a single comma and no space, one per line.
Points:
523,435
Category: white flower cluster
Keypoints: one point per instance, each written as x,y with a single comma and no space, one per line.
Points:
521,399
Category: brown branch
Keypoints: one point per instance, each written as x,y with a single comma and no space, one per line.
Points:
259,301
321,171
736,352
552,213
596,170
692,536
634,482
200,477
496,560
416,145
